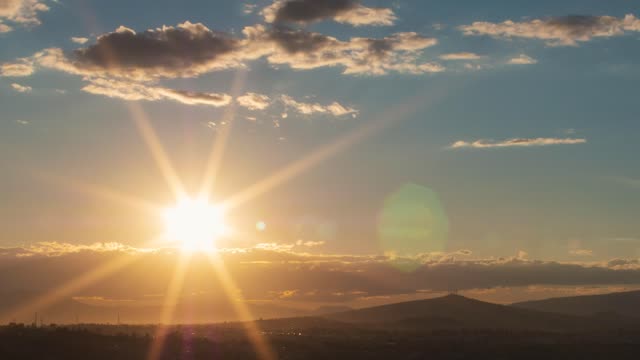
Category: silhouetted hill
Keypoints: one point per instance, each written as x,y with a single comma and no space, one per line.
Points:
458,312
622,304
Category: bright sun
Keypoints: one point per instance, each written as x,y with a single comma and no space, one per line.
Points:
195,223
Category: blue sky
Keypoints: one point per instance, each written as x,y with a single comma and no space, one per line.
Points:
566,89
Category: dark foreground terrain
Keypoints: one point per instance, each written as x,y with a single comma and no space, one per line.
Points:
217,342
451,327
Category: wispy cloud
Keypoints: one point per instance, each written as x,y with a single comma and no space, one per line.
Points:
516,142
21,88
248,9
136,91
557,31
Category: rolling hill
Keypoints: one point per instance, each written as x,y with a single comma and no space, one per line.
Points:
622,304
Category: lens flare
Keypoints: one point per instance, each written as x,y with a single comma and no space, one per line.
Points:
412,222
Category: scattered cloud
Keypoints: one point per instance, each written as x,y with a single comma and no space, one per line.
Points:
21,88
22,122
305,50
24,12
134,91
461,56
522,59
248,9
304,108
516,142
79,40
254,101
190,50
343,11
557,31
24,67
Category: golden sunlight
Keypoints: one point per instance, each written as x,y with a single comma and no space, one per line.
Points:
195,224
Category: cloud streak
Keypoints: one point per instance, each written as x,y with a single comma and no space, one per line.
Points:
557,31
516,142
133,91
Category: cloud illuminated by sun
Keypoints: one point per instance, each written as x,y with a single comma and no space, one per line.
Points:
195,223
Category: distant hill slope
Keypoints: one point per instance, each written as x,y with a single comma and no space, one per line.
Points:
623,304
456,312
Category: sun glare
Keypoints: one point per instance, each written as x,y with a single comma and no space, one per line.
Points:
195,224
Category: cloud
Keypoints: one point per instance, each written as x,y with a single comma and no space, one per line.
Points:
134,91
21,88
522,59
581,252
517,142
23,12
22,122
301,49
79,40
344,11
254,101
190,50
265,272
461,56
335,108
24,67
557,31
186,50
248,9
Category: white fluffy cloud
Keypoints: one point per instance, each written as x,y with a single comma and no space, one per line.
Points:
517,142
344,11
557,31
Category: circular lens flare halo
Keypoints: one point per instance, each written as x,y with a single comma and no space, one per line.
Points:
195,223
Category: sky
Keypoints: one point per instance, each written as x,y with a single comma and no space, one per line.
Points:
393,139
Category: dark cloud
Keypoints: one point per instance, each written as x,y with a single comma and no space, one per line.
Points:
185,50
345,11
